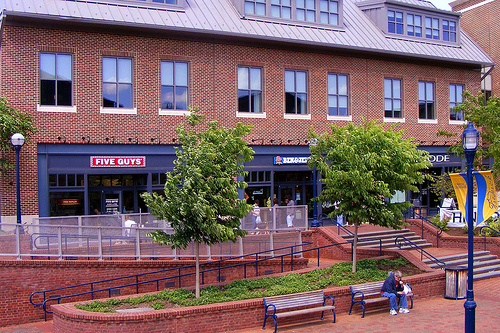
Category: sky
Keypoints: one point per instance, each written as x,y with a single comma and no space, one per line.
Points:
442,4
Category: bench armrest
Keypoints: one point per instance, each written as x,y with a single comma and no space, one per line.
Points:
273,308
354,293
330,297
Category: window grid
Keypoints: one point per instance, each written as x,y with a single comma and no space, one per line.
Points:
329,12
431,28
249,89
414,25
395,22
338,95
295,92
426,100
306,10
393,98
257,7
456,91
449,31
117,82
174,85
281,9
56,79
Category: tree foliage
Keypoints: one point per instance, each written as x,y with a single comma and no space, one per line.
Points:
201,194
12,121
362,167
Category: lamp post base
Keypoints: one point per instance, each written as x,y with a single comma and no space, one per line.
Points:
470,312
314,223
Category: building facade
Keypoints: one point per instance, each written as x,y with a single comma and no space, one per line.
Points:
481,22
107,83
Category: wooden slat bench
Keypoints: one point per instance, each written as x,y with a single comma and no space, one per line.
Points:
309,302
370,293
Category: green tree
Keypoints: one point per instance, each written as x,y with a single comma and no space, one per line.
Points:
201,193
12,121
362,168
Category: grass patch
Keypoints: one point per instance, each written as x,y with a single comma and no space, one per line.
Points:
337,275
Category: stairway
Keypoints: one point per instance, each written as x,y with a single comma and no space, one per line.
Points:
485,265
371,239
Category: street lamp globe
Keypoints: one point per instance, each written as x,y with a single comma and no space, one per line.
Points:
470,138
17,140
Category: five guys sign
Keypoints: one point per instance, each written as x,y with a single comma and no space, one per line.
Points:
117,161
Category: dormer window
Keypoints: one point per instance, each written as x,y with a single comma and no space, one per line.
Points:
395,22
414,25
324,12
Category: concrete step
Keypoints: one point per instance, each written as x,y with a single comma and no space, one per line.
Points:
409,247
486,275
485,269
385,241
480,261
390,243
457,256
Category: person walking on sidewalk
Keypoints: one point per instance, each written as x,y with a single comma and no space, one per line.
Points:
393,289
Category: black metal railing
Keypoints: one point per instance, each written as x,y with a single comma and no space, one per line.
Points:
400,241
483,233
412,214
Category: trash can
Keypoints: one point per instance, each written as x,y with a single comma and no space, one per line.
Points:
456,282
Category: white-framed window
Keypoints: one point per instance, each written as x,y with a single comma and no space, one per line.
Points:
329,12
281,9
56,79
338,95
249,89
117,88
456,92
174,79
426,100
414,25
255,7
395,22
431,27
295,92
393,100
449,31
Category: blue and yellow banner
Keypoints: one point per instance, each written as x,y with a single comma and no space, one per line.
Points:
487,202
459,182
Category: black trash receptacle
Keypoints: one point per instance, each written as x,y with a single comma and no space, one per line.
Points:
456,282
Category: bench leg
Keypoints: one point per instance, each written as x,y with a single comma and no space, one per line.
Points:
265,318
350,309
411,302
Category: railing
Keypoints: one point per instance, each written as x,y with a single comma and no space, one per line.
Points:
259,257
482,233
324,217
401,239
410,213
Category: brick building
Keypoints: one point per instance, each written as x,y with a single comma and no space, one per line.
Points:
481,21
107,82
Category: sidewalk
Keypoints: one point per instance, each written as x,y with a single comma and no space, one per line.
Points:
430,315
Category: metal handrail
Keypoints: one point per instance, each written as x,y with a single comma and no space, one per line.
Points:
339,226
137,283
424,219
398,242
484,235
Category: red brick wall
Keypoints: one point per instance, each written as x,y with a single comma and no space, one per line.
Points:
483,25
213,89
23,277
221,317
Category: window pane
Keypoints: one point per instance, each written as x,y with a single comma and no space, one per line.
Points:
256,102
181,98
243,101
421,110
63,64
275,11
301,82
430,110
397,104
108,69
421,91
323,5
310,4
64,93
243,77
289,81
47,92
255,78
342,84
387,88
289,102
452,93
125,70
388,104
286,12
332,106
167,73
167,97
396,88
249,8
343,106
302,103
181,74
260,9
125,96
429,86
109,95
47,66
332,84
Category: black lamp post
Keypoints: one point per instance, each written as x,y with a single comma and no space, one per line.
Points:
17,140
314,142
470,140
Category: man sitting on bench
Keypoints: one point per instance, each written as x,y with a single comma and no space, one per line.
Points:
393,288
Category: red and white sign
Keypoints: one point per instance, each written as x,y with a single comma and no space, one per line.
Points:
117,161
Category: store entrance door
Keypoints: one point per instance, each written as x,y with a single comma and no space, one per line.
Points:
111,202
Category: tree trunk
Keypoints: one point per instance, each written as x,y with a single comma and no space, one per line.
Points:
197,276
355,247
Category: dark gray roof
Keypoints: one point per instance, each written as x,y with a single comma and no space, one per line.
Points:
220,17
